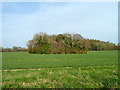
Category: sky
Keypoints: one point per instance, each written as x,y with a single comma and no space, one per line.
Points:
93,20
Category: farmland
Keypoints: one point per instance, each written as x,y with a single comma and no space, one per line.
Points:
92,70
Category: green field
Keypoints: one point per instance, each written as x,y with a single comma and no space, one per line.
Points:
94,69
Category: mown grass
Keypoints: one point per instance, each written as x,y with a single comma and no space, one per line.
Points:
17,60
97,69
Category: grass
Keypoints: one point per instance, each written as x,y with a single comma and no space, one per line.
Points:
97,69
18,60
75,77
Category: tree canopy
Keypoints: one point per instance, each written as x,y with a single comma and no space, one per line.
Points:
65,43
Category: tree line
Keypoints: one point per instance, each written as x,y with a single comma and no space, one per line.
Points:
66,43
13,49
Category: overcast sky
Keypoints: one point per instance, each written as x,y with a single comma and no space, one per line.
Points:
94,20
